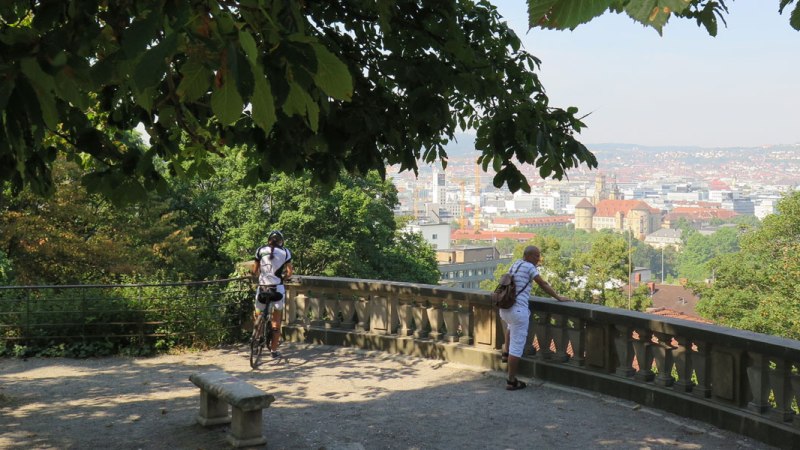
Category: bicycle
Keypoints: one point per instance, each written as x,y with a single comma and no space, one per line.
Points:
260,339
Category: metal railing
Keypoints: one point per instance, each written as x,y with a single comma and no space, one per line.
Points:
203,313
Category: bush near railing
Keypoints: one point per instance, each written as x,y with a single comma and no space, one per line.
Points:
133,319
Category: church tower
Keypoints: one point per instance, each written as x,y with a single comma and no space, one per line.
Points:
584,214
600,192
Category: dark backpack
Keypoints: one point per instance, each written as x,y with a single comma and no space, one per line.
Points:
505,295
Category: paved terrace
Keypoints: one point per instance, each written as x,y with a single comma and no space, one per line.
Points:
326,398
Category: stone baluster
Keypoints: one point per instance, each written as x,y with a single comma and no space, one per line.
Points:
420,313
643,349
330,304
701,363
298,308
394,318
662,352
362,305
450,317
347,306
559,333
577,339
624,349
757,368
435,320
794,378
683,365
463,324
780,381
540,328
405,315
315,309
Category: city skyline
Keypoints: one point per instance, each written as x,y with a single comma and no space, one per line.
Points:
684,88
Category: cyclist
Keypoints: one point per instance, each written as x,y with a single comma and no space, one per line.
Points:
273,265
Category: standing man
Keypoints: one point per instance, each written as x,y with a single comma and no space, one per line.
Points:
518,316
273,264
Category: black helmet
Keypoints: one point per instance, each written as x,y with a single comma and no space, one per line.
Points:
275,238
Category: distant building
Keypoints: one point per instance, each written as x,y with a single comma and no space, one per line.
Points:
507,223
467,266
741,206
765,207
438,187
489,235
618,215
697,215
608,211
436,234
674,298
664,237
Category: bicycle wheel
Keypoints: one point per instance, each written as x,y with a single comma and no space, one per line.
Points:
258,341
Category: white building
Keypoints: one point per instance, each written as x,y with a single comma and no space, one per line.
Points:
438,187
436,234
765,207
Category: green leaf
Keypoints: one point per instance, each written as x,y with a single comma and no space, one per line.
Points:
226,103
195,82
263,103
140,33
332,75
144,98
68,89
794,19
564,14
249,46
239,66
153,65
43,84
655,13
298,102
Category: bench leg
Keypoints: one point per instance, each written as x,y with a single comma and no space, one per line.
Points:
213,411
246,428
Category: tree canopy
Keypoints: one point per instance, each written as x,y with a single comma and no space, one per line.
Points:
756,287
315,87
200,228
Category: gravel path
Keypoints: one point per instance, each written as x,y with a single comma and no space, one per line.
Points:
326,398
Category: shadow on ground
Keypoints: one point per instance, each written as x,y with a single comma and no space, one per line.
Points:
326,397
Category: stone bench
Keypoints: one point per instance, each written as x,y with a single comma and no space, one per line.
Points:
218,390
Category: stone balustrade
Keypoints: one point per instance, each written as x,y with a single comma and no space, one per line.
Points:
738,380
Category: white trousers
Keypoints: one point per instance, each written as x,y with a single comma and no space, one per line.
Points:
517,318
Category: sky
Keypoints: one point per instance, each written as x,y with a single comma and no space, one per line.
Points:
685,88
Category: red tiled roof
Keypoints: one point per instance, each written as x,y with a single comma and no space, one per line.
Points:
718,185
609,208
488,235
676,298
533,220
584,203
700,213
666,312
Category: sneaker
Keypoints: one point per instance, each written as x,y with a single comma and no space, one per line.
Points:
276,354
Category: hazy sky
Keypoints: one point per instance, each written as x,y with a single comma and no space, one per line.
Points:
741,88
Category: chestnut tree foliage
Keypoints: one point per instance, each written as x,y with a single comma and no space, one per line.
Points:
304,86
569,14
